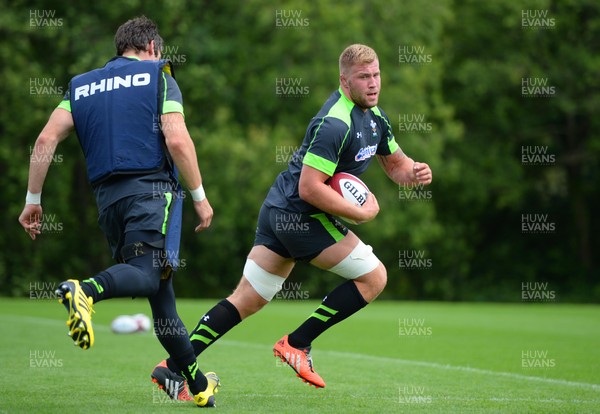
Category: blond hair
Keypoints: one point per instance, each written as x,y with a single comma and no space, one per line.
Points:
356,54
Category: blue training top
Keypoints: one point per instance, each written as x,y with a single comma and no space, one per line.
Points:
116,111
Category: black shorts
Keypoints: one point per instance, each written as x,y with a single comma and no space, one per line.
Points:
140,213
297,235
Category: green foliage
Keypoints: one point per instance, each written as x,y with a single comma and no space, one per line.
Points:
229,57
501,124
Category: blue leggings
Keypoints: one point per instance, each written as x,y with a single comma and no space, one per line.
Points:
141,277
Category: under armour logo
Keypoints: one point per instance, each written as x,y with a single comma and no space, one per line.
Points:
138,248
359,135
205,318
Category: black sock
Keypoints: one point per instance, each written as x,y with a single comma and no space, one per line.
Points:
342,302
97,287
188,367
173,336
138,279
213,325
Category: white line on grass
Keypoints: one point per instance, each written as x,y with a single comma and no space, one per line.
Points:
436,365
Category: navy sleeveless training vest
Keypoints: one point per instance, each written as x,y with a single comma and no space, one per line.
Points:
116,110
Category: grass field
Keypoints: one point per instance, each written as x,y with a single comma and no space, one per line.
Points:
391,357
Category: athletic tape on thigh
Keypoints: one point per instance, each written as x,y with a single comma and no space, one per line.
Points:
266,284
359,262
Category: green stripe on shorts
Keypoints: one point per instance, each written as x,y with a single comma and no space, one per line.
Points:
168,197
331,229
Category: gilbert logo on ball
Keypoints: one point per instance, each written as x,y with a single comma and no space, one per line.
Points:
351,188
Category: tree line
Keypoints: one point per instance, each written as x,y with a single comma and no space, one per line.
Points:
498,97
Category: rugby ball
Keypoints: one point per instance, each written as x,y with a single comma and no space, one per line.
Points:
351,188
126,324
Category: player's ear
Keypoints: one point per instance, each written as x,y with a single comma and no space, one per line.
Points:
151,48
343,81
